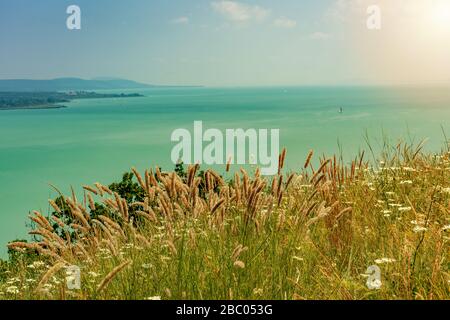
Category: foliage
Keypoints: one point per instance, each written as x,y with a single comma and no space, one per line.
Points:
310,234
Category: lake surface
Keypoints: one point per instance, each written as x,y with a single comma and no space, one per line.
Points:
98,140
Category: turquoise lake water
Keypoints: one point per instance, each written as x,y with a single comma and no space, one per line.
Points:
98,140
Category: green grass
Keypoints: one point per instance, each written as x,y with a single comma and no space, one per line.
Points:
315,243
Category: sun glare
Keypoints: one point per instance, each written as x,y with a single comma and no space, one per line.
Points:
440,15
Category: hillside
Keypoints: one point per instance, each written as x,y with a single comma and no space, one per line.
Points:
333,231
67,84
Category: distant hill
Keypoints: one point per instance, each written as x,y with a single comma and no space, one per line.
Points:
68,84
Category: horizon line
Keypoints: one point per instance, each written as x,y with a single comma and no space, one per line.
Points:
156,84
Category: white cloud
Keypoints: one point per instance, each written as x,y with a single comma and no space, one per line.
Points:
180,20
341,9
319,35
240,12
284,22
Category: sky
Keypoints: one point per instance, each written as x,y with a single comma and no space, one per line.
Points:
229,43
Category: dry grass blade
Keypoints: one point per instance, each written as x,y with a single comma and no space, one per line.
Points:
139,178
308,159
217,205
90,189
51,272
321,168
54,206
110,276
227,169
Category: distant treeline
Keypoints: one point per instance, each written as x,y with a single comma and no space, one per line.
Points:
23,100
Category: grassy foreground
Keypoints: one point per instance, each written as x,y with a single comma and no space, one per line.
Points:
192,235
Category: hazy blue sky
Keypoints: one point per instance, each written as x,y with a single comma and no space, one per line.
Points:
208,42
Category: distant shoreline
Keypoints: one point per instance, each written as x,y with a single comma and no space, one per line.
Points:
50,100
38,107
